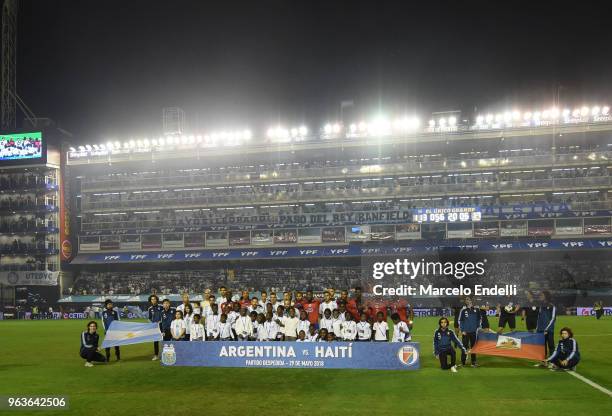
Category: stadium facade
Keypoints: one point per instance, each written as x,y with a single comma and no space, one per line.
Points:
300,209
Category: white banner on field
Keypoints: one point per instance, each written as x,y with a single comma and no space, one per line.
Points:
30,278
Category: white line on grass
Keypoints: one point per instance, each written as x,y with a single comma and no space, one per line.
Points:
591,383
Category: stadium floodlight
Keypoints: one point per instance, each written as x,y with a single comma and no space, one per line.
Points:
584,111
362,126
118,145
146,142
432,123
576,113
554,113
479,120
498,118
507,117
303,130
595,111
605,110
139,143
327,129
452,121
380,126
516,115
246,135
109,145
353,128
161,141
126,145
546,114
536,116
336,128
154,142
442,122
132,143
566,112
527,116
489,118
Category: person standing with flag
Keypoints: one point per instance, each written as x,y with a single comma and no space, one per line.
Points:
469,323
155,316
108,316
547,315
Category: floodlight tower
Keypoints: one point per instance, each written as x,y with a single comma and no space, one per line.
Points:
9,63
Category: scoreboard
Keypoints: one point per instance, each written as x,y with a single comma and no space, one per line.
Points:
458,214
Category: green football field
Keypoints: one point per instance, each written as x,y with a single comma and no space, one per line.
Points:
41,358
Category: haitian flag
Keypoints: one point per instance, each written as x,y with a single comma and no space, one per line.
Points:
513,344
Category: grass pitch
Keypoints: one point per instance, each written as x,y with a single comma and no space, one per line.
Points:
41,358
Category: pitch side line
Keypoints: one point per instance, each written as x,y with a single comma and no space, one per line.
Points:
591,383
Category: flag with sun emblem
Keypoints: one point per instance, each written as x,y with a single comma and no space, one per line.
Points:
125,333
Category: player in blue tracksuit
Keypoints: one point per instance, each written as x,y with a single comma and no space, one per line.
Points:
167,316
547,315
108,316
567,355
89,345
469,322
443,342
155,316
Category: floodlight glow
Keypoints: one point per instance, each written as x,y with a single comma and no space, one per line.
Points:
536,116
545,114
498,118
246,135
336,128
507,117
432,123
566,112
527,116
154,142
88,147
362,126
576,113
109,145
442,122
516,115
294,132
479,120
554,112
379,126
489,118
118,145
126,145
146,142
132,143
327,129
353,128
605,110
303,130
161,141
595,111
584,111
452,121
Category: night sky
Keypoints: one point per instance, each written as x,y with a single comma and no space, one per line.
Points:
106,69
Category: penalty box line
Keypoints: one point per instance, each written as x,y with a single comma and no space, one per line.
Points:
591,383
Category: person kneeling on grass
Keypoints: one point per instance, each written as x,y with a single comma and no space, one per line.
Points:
567,355
89,345
443,342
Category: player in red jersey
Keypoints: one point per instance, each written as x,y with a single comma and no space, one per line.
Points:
311,306
356,305
404,310
245,301
376,305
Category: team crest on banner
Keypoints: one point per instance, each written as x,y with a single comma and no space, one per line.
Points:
408,355
168,355
508,343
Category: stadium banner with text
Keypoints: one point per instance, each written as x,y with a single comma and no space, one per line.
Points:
343,251
590,311
365,355
512,344
29,278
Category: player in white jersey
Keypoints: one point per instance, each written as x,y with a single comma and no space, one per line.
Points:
349,328
225,329
380,328
312,335
364,329
401,332
177,327
272,331
328,303
243,326
326,321
212,324
337,324
304,323
196,332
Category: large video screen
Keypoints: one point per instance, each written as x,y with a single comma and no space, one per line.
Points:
21,146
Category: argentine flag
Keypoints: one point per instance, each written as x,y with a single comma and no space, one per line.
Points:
125,333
